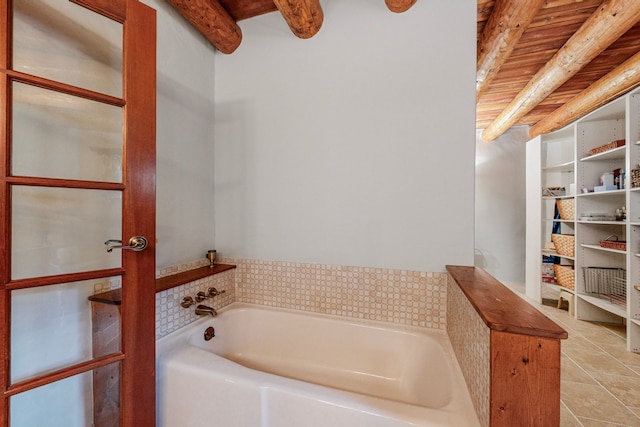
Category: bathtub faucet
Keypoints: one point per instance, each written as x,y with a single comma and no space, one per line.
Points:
203,310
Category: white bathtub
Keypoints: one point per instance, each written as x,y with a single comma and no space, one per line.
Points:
269,367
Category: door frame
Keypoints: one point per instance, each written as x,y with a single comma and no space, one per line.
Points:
137,356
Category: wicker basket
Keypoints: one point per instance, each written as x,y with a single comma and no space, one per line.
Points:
553,191
566,207
612,242
635,178
565,244
565,276
607,147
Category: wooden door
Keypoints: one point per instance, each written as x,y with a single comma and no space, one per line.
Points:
77,91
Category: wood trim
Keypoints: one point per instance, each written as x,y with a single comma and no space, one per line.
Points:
611,20
525,381
213,22
399,6
114,9
64,183
189,276
500,308
619,81
304,17
61,374
508,21
65,88
139,217
5,149
33,282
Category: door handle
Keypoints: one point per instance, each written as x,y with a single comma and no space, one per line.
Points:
136,243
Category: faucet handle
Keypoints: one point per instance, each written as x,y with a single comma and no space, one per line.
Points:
187,302
212,292
201,296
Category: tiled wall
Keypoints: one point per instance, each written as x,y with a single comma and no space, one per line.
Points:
470,339
170,316
397,296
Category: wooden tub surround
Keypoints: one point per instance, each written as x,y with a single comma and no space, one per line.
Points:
509,352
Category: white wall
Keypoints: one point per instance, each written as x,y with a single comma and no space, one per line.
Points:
185,148
500,205
354,147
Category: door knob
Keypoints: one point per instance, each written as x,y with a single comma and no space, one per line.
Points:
136,243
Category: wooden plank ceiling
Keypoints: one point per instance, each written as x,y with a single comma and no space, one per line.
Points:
541,63
545,37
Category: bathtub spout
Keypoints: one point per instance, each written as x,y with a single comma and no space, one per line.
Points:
203,310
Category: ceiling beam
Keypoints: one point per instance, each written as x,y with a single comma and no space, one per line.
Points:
304,17
612,19
622,79
399,6
508,20
213,21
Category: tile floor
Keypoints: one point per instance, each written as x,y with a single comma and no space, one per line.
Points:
600,379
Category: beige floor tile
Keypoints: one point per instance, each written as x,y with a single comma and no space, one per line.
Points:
599,361
619,330
620,352
566,418
586,422
627,389
589,401
570,371
605,337
636,411
578,344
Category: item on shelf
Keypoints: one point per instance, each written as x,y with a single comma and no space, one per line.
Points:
601,188
564,244
565,276
566,208
607,179
607,147
619,177
597,217
612,242
621,214
553,191
635,178
607,282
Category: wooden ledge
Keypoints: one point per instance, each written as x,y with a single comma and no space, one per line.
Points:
500,308
168,282
114,297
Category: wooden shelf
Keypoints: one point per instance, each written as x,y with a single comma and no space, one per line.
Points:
168,282
114,297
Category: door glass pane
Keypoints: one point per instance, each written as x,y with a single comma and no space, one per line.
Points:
62,320
72,402
63,230
62,41
62,136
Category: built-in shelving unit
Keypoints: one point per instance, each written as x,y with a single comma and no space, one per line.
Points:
606,280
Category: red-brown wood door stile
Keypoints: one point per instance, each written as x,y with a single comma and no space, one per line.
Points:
77,95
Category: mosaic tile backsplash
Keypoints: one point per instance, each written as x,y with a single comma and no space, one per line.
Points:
170,316
470,338
397,296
